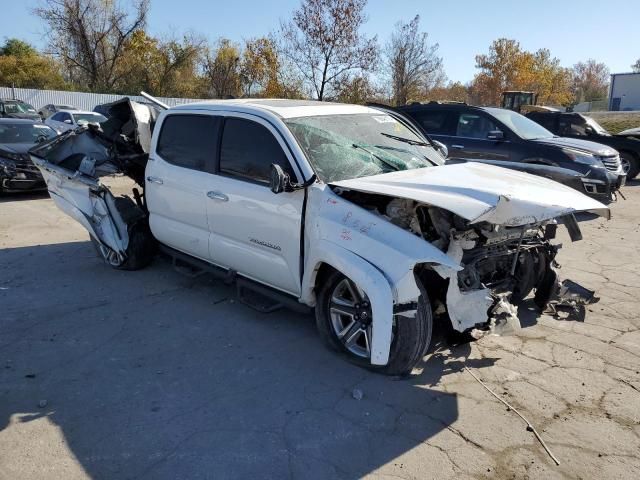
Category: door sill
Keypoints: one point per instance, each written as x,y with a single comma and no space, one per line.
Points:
229,276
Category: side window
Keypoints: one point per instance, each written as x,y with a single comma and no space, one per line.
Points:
66,116
473,125
433,122
57,117
248,150
189,141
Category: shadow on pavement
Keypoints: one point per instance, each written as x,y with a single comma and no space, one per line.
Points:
22,196
150,374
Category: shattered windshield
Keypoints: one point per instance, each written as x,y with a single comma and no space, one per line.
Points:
342,147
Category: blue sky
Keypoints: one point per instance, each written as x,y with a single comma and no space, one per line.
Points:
573,30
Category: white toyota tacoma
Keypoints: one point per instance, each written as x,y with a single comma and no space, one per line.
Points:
344,208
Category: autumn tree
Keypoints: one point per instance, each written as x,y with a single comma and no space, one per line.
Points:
590,80
358,89
543,74
324,42
222,70
89,37
413,64
259,65
636,66
21,65
508,67
453,91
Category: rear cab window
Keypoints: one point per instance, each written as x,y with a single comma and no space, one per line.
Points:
546,120
189,140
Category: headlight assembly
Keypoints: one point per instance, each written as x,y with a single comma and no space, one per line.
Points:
583,157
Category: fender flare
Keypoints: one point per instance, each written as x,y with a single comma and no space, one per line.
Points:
367,277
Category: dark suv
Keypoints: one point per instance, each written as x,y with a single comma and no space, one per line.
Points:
506,138
17,109
576,125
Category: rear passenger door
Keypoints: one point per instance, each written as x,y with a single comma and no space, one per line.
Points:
254,231
178,178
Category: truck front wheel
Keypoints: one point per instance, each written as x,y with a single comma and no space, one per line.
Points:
344,321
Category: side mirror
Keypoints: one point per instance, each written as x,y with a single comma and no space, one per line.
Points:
495,135
589,130
441,148
67,121
279,180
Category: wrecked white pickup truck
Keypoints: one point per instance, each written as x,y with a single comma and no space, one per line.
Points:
344,208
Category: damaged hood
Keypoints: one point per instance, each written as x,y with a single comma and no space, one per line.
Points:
479,192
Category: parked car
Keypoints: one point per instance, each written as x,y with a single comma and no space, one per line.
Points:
17,109
631,132
50,109
17,136
69,119
344,208
577,125
507,138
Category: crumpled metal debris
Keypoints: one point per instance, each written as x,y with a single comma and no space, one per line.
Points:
569,300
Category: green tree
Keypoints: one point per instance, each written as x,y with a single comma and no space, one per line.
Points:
22,66
17,48
164,68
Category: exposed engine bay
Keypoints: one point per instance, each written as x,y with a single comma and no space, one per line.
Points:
501,265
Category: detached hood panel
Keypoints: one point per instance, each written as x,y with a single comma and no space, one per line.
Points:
479,192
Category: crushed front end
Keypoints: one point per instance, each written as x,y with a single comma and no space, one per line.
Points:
18,173
501,265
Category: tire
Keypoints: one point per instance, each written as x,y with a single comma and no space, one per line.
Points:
142,246
633,164
411,336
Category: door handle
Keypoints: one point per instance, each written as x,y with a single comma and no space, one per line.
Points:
218,196
459,147
154,180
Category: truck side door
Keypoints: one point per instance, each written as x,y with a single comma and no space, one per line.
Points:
177,181
254,231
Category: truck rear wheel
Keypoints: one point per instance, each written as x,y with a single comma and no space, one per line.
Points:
142,246
344,319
